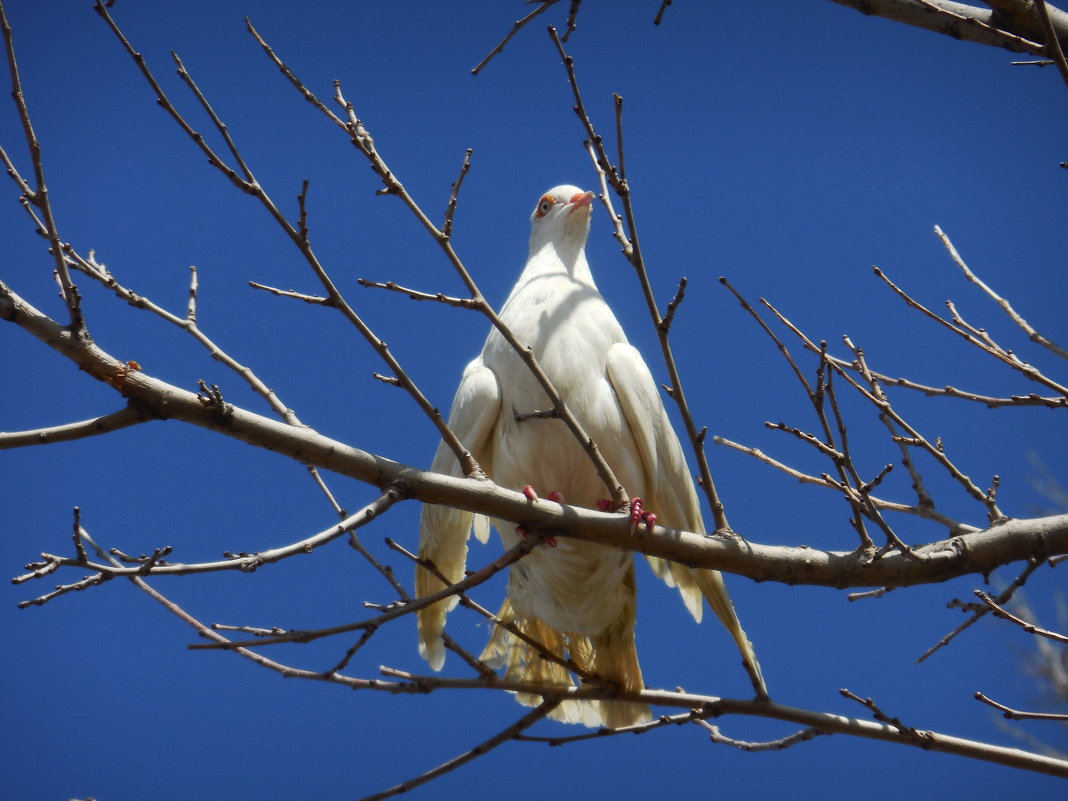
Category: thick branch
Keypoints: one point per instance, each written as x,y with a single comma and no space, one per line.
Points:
938,561
1018,33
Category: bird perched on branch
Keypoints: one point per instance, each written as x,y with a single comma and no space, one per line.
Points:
576,599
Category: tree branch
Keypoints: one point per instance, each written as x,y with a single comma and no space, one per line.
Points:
131,415
935,562
1020,34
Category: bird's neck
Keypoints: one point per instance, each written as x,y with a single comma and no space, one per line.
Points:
554,258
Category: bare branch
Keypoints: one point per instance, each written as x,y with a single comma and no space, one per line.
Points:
1032,334
518,26
1053,44
633,253
315,300
130,415
1016,714
984,344
364,143
298,235
981,552
660,11
156,566
921,510
415,294
540,712
38,196
779,744
1032,565
960,21
473,579
450,210
1004,614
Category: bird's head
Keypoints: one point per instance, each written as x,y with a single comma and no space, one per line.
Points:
562,219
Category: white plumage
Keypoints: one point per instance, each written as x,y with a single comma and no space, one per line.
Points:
578,598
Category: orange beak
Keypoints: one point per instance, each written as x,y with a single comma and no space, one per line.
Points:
582,199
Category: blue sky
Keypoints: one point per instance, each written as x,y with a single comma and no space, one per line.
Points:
789,153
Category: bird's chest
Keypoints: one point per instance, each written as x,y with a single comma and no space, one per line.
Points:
570,330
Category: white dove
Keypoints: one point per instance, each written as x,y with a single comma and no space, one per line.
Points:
576,599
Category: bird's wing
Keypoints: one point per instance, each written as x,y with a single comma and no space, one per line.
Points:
443,531
669,492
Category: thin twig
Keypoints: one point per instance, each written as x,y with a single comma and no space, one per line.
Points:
954,526
572,18
364,142
660,11
516,28
154,566
542,650
997,352
921,737
130,415
1000,612
38,196
298,235
315,300
1016,714
415,294
540,712
471,580
778,744
1032,334
1053,43
632,251
1032,565
454,194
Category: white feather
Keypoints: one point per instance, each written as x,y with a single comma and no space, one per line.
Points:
577,598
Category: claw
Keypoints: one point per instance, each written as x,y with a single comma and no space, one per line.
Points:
532,496
604,505
638,513
635,513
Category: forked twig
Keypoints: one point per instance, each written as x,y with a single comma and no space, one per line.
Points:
1032,565
37,195
516,28
1032,334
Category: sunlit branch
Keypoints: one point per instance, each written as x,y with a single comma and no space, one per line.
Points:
128,416
157,566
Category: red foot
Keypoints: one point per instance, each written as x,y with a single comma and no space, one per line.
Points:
532,496
637,512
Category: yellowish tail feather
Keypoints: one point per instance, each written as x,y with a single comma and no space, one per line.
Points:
610,656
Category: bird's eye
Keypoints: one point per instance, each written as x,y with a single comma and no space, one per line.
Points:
545,205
